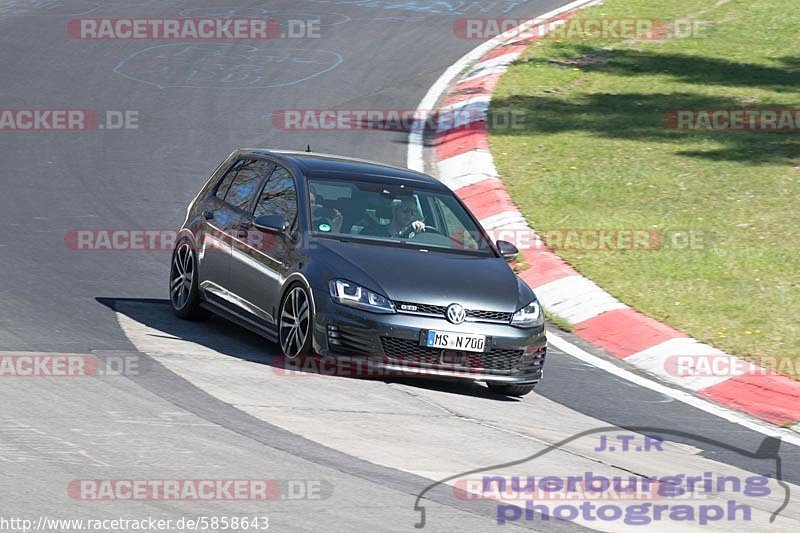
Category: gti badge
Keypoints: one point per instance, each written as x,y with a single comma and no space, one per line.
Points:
456,313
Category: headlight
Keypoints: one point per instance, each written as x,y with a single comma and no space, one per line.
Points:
529,316
346,293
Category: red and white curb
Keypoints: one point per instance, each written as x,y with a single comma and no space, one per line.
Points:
463,162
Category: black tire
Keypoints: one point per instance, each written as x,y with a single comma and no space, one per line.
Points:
296,315
510,390
184,296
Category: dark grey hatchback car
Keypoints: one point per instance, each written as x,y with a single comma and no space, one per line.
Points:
343,258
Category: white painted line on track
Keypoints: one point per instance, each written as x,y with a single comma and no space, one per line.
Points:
786,435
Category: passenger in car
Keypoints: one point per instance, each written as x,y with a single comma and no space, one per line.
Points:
323,218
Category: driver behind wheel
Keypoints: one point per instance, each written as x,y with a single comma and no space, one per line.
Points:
406,220
406,217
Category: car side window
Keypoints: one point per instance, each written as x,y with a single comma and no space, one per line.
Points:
245,185
279,196
225,183
456,229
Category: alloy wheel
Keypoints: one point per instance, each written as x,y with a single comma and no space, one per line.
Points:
295,322
182,276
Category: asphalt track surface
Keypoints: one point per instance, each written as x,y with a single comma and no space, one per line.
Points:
211,404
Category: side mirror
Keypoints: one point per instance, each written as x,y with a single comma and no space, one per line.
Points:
273,223
507,250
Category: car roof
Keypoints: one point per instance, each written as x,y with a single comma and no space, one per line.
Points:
317,165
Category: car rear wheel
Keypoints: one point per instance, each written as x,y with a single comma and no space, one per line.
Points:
183,292
510,390
296,322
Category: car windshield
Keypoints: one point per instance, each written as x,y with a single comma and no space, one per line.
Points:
393,214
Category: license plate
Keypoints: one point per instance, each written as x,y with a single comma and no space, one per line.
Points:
455,341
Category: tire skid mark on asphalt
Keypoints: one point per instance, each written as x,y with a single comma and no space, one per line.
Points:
21,442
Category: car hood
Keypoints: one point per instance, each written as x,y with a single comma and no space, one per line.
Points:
433,278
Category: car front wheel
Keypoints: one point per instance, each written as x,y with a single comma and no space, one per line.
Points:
183,292
296,322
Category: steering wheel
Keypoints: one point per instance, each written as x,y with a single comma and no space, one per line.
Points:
405,232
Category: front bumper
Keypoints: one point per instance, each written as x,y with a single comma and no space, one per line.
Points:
391,343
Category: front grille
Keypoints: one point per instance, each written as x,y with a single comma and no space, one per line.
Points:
440,311
490,316
502,359
422,308
409,351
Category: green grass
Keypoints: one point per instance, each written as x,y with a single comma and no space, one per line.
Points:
559,322
594,153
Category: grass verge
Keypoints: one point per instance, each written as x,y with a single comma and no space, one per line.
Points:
594,153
